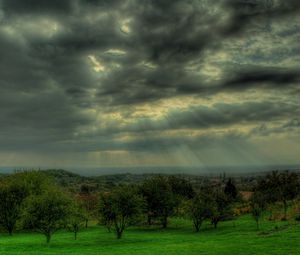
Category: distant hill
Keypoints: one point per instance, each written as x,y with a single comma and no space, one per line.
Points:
77,183
61,173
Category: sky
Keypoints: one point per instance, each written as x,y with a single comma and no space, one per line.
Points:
120,83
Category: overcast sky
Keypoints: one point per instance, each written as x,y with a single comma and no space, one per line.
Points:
145,82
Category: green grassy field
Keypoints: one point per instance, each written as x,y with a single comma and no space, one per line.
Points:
232,237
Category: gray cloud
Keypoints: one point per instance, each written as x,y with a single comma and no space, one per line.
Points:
36,6
275,78
219,115
62,61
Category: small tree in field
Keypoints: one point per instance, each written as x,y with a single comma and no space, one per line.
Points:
279,187
106,210
11,199
258,205
200,208
288,188
48,212
76,219
120,207
13,191
159,197
221,208
230,190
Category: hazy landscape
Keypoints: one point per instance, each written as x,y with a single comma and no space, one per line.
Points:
149,127
249,209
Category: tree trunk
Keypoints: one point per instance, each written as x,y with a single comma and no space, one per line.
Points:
215,224
48,238
257,224
86,223
149,220
285,209
75,235
119,234
164,222
9,227
197,225
10,231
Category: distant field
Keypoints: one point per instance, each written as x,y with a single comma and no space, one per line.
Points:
232,237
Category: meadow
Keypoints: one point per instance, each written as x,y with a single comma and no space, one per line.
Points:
231,237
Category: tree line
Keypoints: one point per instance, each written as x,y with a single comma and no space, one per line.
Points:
32,201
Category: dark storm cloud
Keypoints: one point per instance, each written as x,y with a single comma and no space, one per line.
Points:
141,84
259,78
170,35
219,115
173,30
47,80
36,6
222,114
246,11
237,81
47,6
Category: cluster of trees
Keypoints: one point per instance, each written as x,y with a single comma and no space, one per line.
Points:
276,187
32,201
160,197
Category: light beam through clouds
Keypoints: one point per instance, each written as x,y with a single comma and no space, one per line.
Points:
148,83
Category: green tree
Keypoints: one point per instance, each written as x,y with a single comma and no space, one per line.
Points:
200,208
258,205
221,209
160,199
230,190
120,207
288,189
34,182
181,189
106,209
12,195
13,191
280,187
47,212
76,219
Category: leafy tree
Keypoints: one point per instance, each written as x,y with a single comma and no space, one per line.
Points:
12,195
120,207
288,189
76,219
280,187
106,210
258,205
181,187
47,212
231,190
34,182
13,191
221,207
200,208
160,200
